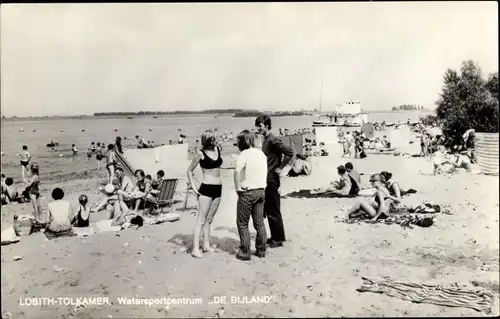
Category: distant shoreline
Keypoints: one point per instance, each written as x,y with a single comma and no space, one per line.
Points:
86,117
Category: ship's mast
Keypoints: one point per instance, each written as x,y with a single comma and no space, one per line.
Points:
321,97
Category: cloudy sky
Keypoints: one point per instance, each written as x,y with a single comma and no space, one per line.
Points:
85,58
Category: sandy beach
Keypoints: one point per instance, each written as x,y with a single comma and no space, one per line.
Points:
316,273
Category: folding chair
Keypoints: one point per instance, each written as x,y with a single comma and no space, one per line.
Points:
165,196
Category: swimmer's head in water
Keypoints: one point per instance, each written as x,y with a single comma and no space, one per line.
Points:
208,139
137,136
83,199
92,143
245,140
25,147
57,193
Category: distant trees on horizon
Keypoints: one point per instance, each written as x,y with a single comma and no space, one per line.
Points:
407,107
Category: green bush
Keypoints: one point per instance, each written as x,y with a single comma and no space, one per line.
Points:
468,101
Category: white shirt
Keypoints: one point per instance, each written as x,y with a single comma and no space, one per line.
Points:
61,212
252,164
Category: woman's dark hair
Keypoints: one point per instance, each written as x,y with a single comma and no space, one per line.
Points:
244,140
9,181
263,119
83,199
349,165
160,173
149,177
341,169
386,175
111,147
57,193
140,171
118,169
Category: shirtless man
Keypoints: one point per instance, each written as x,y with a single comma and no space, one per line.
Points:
123,184
25,161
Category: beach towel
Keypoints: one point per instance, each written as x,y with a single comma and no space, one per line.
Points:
63,233
305,193
451,296
405,220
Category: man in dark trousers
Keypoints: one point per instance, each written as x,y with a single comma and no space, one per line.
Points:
274,149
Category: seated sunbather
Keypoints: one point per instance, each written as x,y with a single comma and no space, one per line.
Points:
301,165
344,186
9,192
139,193
392,187
461,161
120,183
60,213
378,206
155,184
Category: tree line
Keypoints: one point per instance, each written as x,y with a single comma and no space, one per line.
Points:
407,107
212,111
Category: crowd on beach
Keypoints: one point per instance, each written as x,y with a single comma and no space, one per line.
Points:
263,160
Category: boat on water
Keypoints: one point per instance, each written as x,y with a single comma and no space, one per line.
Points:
348,114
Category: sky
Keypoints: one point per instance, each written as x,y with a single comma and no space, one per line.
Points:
69,59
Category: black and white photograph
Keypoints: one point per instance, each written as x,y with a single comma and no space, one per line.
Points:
249,160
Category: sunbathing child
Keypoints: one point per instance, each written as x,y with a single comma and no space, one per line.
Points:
82,216
378,206
60,213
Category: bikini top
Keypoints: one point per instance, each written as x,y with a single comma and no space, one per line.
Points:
385,196
141,186
208,163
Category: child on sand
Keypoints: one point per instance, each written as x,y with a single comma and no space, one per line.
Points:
25,161
82,215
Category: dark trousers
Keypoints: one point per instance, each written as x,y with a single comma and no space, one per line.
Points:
272,210
251,203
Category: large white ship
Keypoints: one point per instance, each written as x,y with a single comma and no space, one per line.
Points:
348,114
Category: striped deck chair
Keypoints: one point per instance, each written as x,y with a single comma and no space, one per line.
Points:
165,196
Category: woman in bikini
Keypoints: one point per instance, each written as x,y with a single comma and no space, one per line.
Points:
209,192
111,163
98,155
34,191
377,207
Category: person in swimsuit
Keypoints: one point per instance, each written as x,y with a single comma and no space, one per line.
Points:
60,213
34,191
156,184
98,155
74,150
118,145
141,142
82,216
89,154
92,147
392,187
209,192
111,162
9,192
378,206
25,161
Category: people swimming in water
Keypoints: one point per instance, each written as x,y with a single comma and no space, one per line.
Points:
74,149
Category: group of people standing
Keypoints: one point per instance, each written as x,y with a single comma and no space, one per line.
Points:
257,181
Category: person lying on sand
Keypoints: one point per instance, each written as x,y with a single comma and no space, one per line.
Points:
378,206
344,186
9,192
82,216
60,213
442,164
461,161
